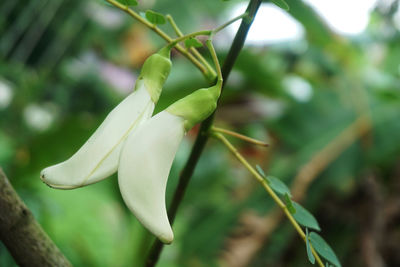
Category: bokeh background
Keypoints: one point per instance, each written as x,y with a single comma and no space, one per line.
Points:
320,83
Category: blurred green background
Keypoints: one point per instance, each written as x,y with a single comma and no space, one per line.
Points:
328,103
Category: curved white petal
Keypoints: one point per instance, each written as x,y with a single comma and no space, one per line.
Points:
98,158
145,162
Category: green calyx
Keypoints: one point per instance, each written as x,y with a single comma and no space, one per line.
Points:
197,106
155,71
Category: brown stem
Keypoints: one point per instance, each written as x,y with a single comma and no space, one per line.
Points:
22,234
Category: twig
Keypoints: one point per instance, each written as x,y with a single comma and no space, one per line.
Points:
21,233
267,188
209,76
240,136
302,181
192,49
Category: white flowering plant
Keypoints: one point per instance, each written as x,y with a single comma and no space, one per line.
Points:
140,146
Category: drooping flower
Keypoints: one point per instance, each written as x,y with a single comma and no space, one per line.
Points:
98,158
148,153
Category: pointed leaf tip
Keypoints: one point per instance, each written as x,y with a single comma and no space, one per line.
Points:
261,171
281,3
305,218
193,42
323,249
278,186
155,17
310,255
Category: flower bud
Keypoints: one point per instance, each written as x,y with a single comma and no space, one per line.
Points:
155,71
197,106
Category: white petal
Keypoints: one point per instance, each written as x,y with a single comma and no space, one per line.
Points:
98,158
145,163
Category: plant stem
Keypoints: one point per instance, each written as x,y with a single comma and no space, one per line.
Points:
209,76
173,25
21,233
192,49
202,137
240,136
267,188
188,36
215,59
226,24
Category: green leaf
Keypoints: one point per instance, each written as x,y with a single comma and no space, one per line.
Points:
305,218
192,42
104,2
324,249
311,257
261,171
278,186
128,2
281,3
289,204
154,17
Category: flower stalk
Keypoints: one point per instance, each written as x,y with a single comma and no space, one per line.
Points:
209,76
240,136
197,54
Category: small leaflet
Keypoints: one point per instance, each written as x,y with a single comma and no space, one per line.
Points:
154,17
261,171
193,42
278,186
289,204
304,217
311,257
324,249
281,3
128,2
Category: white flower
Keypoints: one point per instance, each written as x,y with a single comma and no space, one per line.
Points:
147,157
98,158
142,149
145,163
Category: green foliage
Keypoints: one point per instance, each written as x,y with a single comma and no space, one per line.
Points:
310,255
281,3
278,186
193,42
128,2
324,249
154,17
304,217
289,204
261,172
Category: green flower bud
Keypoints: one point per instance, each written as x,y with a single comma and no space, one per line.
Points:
155,71
197,106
